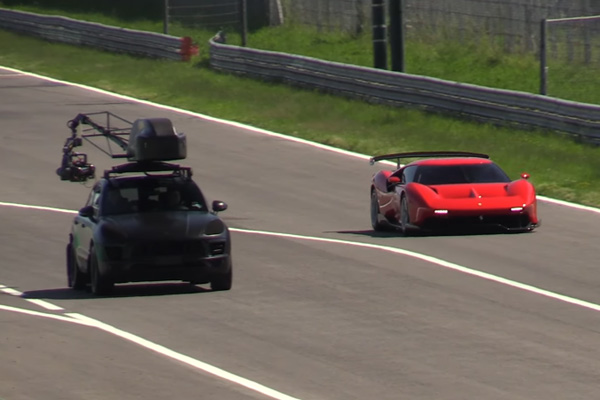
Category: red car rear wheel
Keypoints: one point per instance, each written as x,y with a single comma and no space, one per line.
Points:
404,216
375,214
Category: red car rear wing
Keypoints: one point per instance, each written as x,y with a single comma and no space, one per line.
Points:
425,154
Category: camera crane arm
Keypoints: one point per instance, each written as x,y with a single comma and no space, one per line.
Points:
146,143
74,166
104,131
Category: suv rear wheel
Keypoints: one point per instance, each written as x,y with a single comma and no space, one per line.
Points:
75,278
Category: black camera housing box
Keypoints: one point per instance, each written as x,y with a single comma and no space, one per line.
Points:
155,139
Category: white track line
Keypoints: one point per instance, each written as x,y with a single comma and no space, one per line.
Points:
183,358
222,374
568,204
435,261
396,250
41,303
247,127
79,319
83,320
44,315
43,208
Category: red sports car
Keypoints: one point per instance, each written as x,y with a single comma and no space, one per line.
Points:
450,189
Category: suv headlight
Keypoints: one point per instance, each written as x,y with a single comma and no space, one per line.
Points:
215,227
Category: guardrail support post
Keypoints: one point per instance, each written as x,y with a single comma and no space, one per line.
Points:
379,33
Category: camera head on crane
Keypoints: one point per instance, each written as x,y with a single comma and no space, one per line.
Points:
146,143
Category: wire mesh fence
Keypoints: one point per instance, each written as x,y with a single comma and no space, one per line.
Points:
574,39
220,14
513,26
571,55
514,23
327,15
209,14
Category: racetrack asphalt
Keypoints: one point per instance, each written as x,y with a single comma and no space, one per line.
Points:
321,308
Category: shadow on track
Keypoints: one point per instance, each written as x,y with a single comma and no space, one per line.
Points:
120,290
369,233
476,231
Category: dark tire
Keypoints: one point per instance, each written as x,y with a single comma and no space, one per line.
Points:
221,282
404,216
375,223
75,278
100,284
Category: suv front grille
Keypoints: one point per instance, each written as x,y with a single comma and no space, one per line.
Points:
170,248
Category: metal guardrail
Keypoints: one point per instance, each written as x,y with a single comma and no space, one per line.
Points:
114,39
374,85
399,89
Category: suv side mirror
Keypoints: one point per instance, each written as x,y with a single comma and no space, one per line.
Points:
219,205
87,211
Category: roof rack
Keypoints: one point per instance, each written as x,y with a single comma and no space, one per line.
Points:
147,167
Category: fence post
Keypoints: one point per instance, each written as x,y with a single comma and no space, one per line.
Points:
397,34
244,21
379,33
166,18
543,67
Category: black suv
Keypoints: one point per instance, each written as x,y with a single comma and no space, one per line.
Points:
148,222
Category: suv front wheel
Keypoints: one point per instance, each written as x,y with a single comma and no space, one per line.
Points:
75,278
220,282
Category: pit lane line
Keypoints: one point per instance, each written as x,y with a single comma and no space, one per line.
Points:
16,73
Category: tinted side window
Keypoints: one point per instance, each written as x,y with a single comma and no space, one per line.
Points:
89,199
96,201
408,174
93,195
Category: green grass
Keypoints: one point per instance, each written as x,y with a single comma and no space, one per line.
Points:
560,167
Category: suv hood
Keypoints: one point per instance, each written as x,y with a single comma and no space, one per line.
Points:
172,225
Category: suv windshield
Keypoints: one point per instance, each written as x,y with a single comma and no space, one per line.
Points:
151,195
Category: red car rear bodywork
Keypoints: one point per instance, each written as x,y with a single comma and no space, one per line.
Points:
450,190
